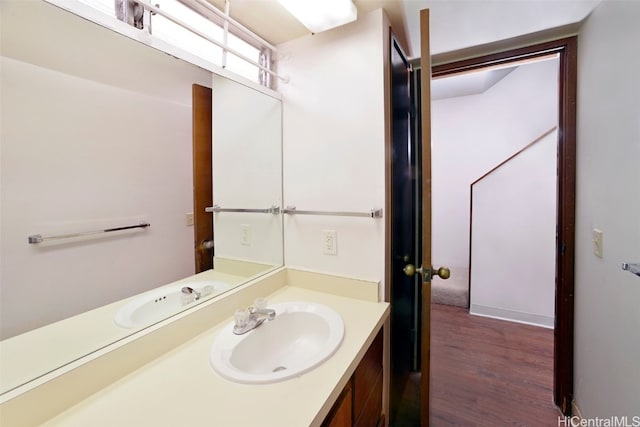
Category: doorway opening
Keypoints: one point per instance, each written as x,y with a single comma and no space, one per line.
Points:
494,179
494,192
566,49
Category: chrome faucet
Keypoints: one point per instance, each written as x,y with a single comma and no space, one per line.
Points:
247,319
188,290
190,295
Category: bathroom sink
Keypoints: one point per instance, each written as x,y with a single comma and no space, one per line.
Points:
302,336
158,304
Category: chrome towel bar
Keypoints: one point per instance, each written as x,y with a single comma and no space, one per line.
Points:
631,268
37,238
373,213
216,208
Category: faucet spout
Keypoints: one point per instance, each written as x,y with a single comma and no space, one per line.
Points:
188,290
250,318
267,313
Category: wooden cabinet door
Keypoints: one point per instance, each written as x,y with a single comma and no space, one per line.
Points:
341,413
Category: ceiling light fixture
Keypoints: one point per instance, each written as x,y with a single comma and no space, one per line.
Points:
321,15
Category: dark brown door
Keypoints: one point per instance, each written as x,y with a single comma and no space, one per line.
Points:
410,293
405,232
202,177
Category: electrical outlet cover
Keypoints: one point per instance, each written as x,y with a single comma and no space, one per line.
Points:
245,235
329,242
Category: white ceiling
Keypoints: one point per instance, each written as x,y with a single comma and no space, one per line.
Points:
460,24
455,24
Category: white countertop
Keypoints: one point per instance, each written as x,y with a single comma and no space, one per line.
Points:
180,388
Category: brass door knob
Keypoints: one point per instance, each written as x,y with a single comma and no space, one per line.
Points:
443,272
411,269
205,245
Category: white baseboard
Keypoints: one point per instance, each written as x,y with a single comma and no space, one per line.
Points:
512,316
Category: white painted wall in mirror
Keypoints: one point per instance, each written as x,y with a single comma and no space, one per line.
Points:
247,172
78,155
86,143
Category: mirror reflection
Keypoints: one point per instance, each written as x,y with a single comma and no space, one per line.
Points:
97,135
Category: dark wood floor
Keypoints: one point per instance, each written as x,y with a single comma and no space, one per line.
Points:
486,372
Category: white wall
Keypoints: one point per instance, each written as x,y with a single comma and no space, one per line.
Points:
514,237
247,172
91,138
471,135
607,318
333,144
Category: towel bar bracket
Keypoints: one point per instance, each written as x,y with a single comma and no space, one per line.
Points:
631,268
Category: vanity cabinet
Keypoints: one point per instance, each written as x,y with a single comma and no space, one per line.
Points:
360,403
341,414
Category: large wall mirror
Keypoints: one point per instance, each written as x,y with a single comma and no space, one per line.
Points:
96,133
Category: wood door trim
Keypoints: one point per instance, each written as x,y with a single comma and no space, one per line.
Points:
202,175
425,119
388,215
567,48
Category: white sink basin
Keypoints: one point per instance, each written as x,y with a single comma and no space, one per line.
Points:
302,335
161,303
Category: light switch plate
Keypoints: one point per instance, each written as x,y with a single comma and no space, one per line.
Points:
597,243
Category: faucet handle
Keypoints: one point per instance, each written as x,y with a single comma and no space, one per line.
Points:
260,303
241,317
